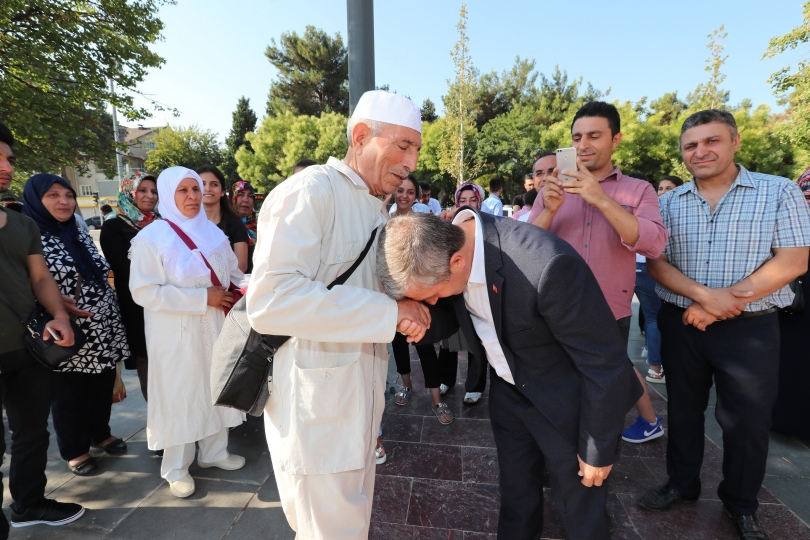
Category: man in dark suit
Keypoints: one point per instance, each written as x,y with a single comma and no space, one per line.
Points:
561,381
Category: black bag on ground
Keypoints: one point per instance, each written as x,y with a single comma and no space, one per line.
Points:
242,364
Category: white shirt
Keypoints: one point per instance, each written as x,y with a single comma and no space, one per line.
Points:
492,205
435,207
417,207
476,298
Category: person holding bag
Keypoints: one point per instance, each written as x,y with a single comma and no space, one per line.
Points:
182,267
82,387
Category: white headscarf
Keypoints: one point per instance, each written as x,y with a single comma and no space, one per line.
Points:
203,232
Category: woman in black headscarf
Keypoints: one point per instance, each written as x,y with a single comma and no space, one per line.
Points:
82,386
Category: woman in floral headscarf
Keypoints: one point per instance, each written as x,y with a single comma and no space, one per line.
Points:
792,408
243,199
136,207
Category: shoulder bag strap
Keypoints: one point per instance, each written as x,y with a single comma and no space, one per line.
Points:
192,246
341,279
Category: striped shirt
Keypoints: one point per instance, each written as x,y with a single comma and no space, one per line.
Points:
758,213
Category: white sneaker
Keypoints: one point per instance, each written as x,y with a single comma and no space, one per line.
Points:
183,488
230,463
644,352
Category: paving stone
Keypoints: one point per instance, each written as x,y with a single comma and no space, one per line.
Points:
390,531
391,496
462,432
419,460
454,505
263,517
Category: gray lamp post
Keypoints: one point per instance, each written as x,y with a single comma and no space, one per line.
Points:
360,17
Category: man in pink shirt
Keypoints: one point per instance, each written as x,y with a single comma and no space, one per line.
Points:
607,217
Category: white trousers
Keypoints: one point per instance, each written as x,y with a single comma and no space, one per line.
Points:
177,459
333,506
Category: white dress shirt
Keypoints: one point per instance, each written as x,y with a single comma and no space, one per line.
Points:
476,298
435,207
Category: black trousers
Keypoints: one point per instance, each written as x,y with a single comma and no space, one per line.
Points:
427,357
448,362
742,355
81,405
527,443
25,389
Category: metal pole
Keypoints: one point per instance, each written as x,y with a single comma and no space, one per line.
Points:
360,18
118,159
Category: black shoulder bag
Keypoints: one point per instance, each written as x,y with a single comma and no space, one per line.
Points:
48,353
242,365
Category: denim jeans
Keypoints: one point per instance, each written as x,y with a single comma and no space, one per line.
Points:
650,304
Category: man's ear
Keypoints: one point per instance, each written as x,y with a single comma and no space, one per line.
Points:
360,133
457,263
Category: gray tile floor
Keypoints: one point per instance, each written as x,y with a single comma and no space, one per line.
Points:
129,500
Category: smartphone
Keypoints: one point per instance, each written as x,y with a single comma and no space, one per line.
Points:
53,334
566,161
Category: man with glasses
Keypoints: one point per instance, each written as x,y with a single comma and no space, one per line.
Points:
543,168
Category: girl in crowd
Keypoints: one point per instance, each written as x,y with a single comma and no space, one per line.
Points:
243,199
83,386
219,212
171,277
136,207
467,194
405,199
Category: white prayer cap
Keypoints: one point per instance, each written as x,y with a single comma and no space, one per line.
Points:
386,107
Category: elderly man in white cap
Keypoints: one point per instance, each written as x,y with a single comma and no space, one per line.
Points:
327,400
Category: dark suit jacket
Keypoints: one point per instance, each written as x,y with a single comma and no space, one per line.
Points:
560,339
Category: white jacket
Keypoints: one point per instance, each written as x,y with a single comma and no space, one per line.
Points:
328,380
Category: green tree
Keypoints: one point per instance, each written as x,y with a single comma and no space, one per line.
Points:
798,81
189,147
428,111
708,95
498,94
668,108
57,58
244,121
457,145
313,74
762,147
282,140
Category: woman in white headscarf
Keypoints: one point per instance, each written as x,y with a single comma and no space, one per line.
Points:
183,313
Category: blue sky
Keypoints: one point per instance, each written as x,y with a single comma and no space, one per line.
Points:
214,50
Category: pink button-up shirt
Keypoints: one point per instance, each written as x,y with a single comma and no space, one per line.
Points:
612,261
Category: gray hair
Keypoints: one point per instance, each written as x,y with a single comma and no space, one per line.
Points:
710,116
415,249
375,126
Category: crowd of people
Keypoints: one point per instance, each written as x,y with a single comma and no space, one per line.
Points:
717,264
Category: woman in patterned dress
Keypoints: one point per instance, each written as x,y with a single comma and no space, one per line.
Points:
183,314
82,386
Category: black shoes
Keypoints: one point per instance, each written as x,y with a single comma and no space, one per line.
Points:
48,512
748,527
85,468
114,448
663,498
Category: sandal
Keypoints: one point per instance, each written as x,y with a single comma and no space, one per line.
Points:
442,410
403,396
473,398
85,468
656,377
379,454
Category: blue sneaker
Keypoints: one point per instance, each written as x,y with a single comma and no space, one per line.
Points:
643,431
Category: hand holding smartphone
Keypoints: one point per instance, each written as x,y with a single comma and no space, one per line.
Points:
566,161
54,335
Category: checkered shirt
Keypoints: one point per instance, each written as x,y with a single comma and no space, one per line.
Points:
759,212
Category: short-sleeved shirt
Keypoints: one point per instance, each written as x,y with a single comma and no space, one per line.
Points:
234,229
19,238
758,213
492,205
435,207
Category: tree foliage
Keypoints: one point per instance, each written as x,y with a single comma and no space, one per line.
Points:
428,111
708,95
189,147
282,140
244,121
57,58
798,81
313,74
456,148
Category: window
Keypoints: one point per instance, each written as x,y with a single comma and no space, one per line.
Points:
151,146
85,191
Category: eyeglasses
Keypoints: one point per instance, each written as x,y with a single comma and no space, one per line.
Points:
543,172
806,187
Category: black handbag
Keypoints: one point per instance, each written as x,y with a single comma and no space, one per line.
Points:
242,364
48,353
798,298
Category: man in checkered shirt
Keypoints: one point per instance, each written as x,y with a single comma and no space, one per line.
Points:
737,238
